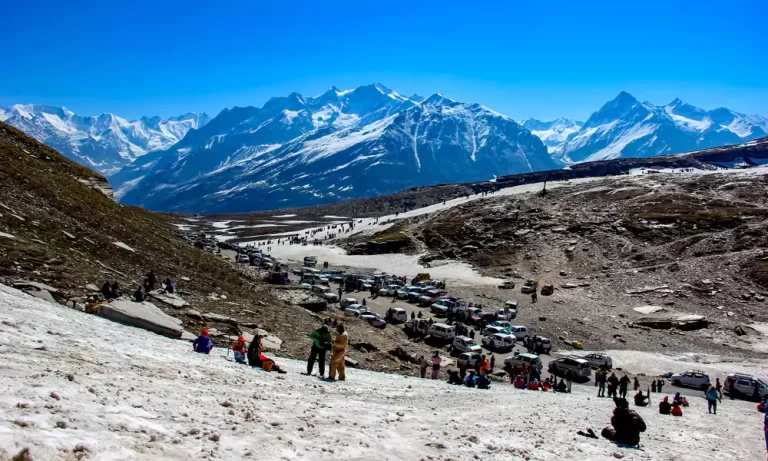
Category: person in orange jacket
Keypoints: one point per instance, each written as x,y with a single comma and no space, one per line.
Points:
483,365
338,356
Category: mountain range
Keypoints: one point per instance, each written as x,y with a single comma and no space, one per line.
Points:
300,151
105,143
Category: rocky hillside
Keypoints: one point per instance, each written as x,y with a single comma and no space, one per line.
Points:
57,227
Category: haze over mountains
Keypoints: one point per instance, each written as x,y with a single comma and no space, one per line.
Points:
298,151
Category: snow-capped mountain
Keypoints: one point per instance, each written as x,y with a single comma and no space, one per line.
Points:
106,142
625,127
553,133
297,151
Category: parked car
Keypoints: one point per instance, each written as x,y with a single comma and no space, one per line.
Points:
506,314
491,330
417,326
402,292
480,318
441,307
344,303
542,345
468,359
599,361
297,272
529,287
399,315
373,318
354,310
526,358
442,331
510,304
499,342
466,344
310,261
502,324
430,297
694,378
578,366
389,290
507,285
520,332
745,386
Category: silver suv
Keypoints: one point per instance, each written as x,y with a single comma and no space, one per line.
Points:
694,378
741,385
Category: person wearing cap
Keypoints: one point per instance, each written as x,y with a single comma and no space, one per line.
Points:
239,350
626,425
202,343
321,342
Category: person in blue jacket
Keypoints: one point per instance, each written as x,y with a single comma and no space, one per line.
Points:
711,396
483,382
202,343
471,379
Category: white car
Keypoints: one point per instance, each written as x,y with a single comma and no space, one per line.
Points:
520,332
330,297
374,319
695,378
578,366
389,290
502,324
468,359
402,292
305,285
399,315
499,342
526,358
347,302
599,361
442,331
466,344
492,330
354,310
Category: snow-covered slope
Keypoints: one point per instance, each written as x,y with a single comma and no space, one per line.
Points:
140,396
625,127
297,151
553,133
106,142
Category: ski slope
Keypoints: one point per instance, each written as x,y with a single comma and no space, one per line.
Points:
139,396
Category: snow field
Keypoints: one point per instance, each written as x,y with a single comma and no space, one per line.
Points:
139,396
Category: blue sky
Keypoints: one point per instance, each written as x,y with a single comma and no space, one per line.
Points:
540,59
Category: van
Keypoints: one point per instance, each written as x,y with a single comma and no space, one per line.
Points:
310,261
579,367
526,358
742,385
442,331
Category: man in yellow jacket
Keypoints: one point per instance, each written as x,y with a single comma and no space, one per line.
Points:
339,349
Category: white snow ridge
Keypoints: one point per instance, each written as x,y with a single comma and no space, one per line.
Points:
138,396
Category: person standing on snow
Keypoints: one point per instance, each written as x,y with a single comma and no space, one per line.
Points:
339,348
711,396
623,386
636,384
423,365
613,383
321,342
436,365
202,343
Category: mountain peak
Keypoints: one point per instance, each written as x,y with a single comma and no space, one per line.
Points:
437,99
624,99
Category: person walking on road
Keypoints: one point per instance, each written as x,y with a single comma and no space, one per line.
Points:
339,354
321,342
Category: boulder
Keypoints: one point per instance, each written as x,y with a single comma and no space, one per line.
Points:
187,336
648,310
42,294
172,300
141,315
191,313
212,317
92,287
21,284
739,330
569,285
347,361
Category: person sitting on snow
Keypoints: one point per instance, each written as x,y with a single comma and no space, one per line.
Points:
519,383
239,349
471,380
561,386
626,424
483,382
202,343
641,400
676,410
454,378
664,406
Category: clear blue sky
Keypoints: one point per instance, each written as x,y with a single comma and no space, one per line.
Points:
540,59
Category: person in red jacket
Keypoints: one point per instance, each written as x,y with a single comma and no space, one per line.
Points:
676,411
239,349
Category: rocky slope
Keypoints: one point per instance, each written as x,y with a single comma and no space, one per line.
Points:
58,228
104,143
298,151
